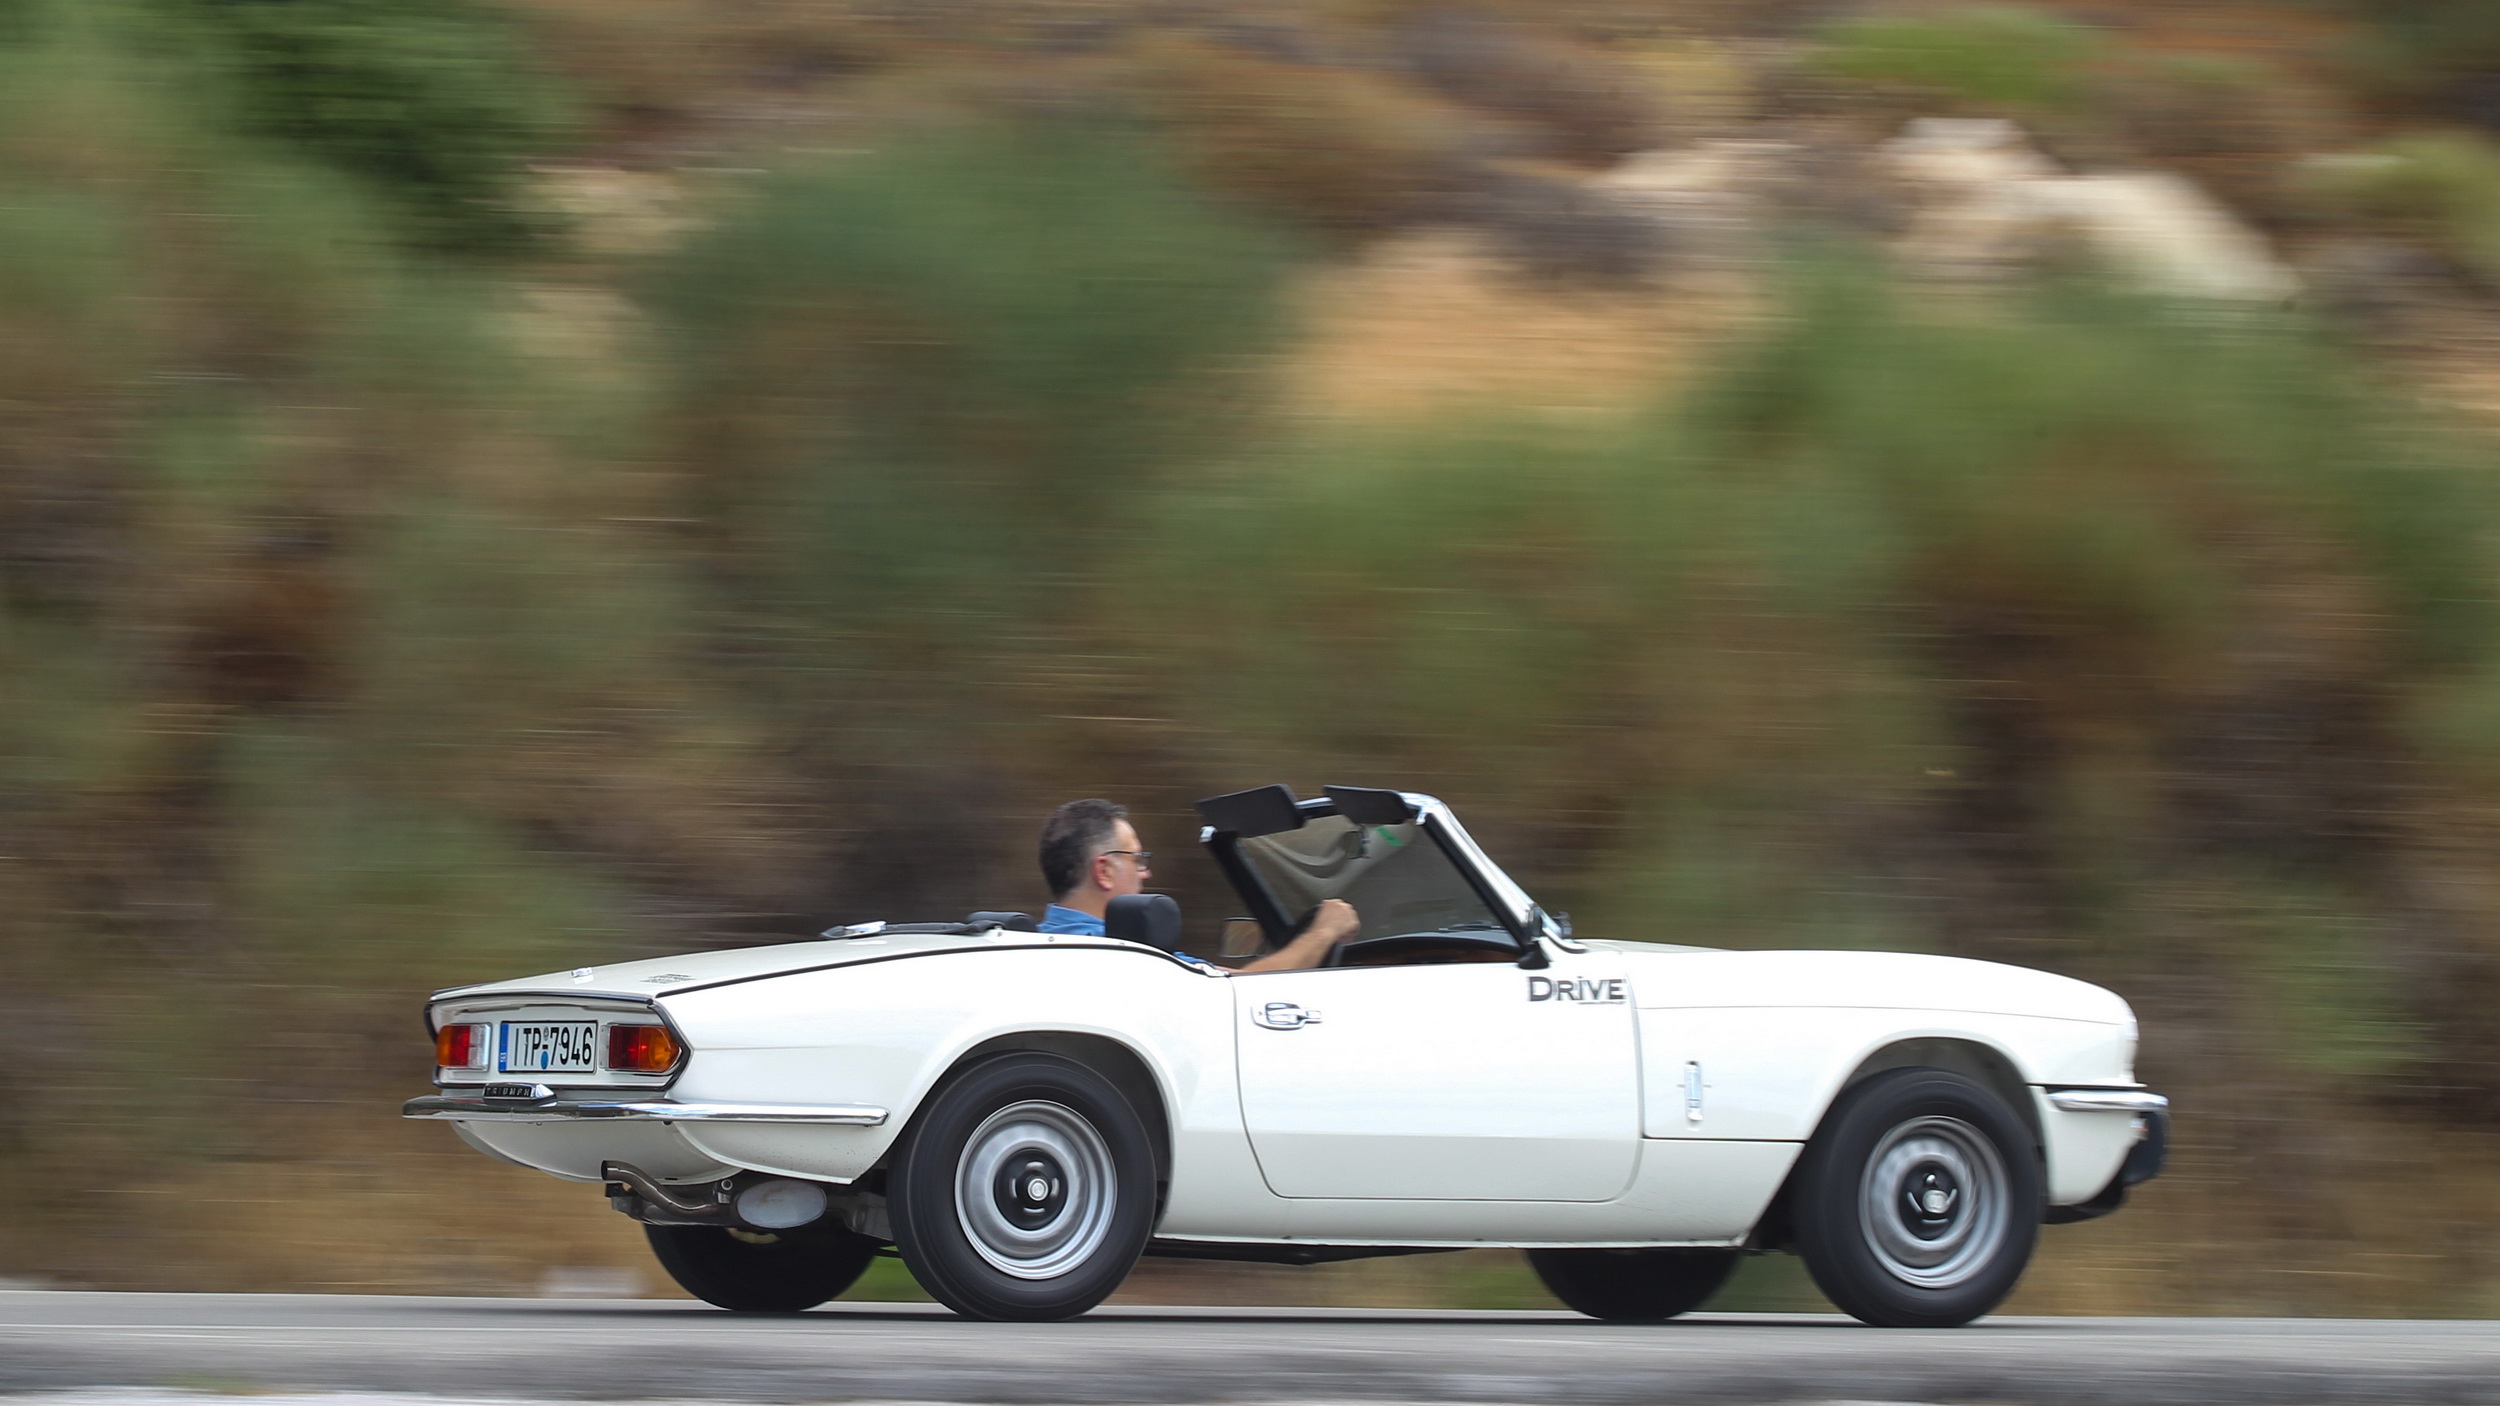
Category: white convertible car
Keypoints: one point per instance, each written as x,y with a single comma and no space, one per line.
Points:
1023,1115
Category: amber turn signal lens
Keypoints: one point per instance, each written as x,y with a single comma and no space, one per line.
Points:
643,1049
458,1047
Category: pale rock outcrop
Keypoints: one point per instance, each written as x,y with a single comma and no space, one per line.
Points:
1979,198
1713,196
1987,198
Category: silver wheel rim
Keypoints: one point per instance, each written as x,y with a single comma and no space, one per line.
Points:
1934,1202
1034,1190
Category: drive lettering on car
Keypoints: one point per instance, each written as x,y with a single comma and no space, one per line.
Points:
1608,991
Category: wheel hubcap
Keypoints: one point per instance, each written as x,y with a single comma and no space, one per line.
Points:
1034,1190
1935,1202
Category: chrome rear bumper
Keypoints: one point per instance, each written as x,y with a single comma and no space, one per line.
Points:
468,1109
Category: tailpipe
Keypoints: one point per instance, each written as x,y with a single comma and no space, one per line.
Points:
747,1201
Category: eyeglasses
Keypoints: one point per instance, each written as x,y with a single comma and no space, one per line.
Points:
1145,857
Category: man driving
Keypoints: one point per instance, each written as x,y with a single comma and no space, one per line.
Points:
1091,855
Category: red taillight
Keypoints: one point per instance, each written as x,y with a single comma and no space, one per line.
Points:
459,1047
643,1049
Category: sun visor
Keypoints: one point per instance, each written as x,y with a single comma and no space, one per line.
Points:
1262,810
1365,806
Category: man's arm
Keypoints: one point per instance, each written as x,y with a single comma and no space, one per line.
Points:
1335,921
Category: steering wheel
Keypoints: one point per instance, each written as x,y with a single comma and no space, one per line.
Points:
1301,925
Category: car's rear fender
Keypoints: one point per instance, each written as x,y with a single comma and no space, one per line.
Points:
889,1034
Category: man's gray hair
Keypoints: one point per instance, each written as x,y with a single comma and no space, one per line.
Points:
1073,835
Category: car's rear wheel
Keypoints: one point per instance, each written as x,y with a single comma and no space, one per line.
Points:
1025,1191
1633,1286
746,1271
1917,1202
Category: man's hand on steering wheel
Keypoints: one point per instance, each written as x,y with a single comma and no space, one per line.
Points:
1332,922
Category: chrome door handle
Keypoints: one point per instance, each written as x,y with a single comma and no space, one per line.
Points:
1283,1015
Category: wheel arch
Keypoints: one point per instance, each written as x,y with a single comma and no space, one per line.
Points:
1973,1059
1113,1059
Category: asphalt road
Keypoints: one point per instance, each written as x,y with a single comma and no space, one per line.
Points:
621,1349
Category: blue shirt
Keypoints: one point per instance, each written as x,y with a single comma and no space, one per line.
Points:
1069,920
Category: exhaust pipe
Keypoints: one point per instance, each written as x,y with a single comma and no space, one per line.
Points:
747,1201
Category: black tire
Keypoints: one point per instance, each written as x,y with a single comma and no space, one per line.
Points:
1633,1286
747,1271
1918,1201
1025,1191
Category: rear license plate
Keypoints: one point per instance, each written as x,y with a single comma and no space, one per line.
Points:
548,1047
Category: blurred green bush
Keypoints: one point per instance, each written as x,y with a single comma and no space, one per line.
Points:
433,102
917,384
296,644
2442,188
2434,55
1995,59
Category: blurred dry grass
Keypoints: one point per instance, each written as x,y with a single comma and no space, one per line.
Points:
1432,322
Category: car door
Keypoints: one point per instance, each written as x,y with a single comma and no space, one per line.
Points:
1459,1082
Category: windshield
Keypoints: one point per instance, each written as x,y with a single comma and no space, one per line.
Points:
1398,880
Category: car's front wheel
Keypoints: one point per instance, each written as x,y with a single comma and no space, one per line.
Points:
1917,1202
1025,1191
747,1271
1633,1286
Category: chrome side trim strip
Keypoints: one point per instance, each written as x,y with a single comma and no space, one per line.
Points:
2106,1101
659,1110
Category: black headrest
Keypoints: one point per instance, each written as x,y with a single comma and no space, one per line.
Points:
1012,922
1151,918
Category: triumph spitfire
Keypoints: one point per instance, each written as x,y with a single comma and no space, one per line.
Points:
1022,1115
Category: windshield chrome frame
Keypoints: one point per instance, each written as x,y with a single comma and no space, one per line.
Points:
1509,904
